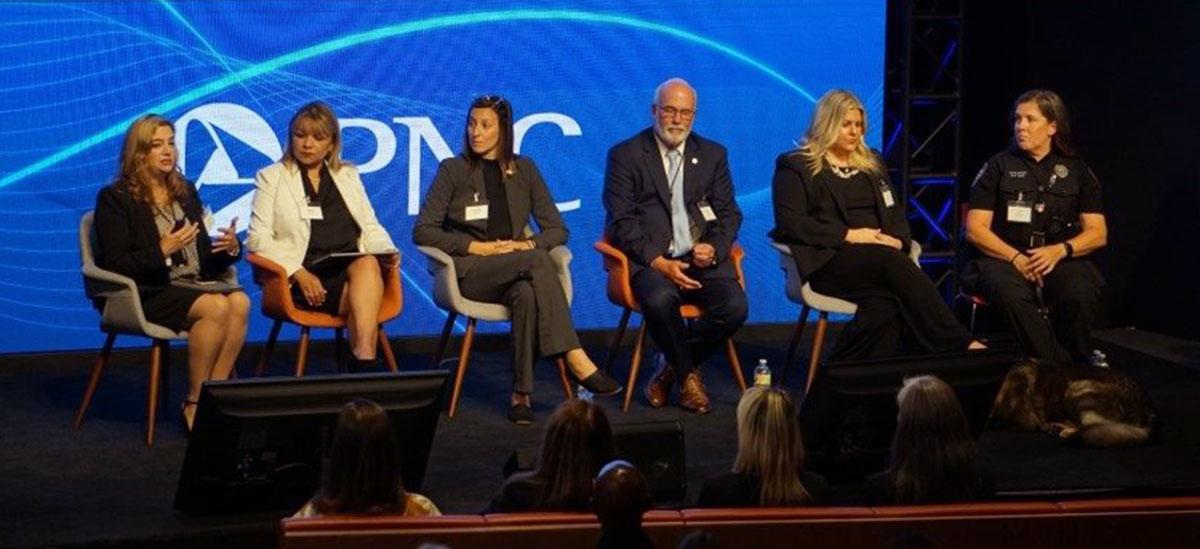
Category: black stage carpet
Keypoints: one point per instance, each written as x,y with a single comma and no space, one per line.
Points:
101,486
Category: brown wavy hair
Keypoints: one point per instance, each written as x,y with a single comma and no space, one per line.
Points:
134,175
933,452
577,443
770,447
363,471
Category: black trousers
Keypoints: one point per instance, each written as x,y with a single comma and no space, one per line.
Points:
686,346
897,303
527,283
1071,291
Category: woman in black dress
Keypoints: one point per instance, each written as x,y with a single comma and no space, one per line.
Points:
849,235
150,227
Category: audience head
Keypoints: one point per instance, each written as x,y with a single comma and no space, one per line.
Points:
673,110
577,442
1041,123
363,471
148,156
933,452
314,136
620,497
770,446
839,125
489,132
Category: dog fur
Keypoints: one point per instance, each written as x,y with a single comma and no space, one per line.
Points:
1089,405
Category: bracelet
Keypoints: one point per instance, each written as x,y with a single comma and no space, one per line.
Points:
1014,258
1070,249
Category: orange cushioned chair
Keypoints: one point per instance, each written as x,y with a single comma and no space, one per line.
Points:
277,304
621,294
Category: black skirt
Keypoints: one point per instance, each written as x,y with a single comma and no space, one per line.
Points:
169,306
333,276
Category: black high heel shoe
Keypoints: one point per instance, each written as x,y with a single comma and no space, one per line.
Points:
183,420
598,383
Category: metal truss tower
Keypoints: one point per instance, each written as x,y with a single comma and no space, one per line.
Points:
922,126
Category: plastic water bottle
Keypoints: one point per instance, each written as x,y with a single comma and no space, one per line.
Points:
582,393
762,373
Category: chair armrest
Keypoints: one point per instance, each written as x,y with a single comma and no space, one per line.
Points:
437,260
617,265
914,252
561,255
276,288
737,254
99,282
440,265
782,248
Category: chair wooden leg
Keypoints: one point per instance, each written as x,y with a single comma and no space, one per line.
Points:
801,323
562,376
815,359
268,349
156,359
616,342
339,347
464,356
386,345
302,351
94,380
634,364
441,348
164,376
735,364
974,308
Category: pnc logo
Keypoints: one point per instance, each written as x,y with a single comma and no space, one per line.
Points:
222,121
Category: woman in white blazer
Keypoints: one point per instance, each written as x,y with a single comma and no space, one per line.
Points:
310,205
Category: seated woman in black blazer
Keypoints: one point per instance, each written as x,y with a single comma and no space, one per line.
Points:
769,469
933,452
578,441
476,211
849,235
150,227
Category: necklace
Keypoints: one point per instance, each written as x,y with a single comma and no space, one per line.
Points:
844,172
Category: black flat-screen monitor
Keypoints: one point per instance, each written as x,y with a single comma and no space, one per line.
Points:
849,416
258,444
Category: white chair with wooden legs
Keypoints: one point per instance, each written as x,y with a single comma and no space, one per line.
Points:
447,295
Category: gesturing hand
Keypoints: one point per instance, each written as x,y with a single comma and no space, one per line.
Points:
227,241
178,239
672,270
310,286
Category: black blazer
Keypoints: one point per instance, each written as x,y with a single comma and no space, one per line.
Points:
127,239
740,490
637,199
442,222
812,222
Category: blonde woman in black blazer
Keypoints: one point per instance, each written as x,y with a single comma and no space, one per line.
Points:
476,211
848,232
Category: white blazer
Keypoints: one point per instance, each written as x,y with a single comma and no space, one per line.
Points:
278,231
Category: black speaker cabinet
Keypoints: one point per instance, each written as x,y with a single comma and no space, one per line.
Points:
657,449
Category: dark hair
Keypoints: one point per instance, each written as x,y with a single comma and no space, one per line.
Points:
363,471
620,497
933,453
505,157
1053,108
577,442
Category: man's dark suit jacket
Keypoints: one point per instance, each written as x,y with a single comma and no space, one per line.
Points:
442,222
637,199
127,240
811,221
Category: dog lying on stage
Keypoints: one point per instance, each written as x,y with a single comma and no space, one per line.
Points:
1091,405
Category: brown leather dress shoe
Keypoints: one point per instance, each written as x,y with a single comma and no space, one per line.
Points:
659,386
692,396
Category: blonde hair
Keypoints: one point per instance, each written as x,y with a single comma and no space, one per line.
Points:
134,175
317,116
769,446
825,127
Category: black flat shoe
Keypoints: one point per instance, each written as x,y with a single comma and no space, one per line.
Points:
521,414
600,384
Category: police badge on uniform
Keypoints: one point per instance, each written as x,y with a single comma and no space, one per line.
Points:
1061,171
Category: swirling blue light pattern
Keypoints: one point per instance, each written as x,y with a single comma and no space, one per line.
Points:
232,72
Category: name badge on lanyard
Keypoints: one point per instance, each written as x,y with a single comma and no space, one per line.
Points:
311,213
476,212
707,212
888,201
1019,210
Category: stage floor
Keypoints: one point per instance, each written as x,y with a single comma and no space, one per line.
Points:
102,486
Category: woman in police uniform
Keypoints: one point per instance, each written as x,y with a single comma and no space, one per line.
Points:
1035,213
849,236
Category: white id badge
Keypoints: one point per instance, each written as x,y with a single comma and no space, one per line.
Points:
707,212
476,212
1019,211
888,201
312,213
